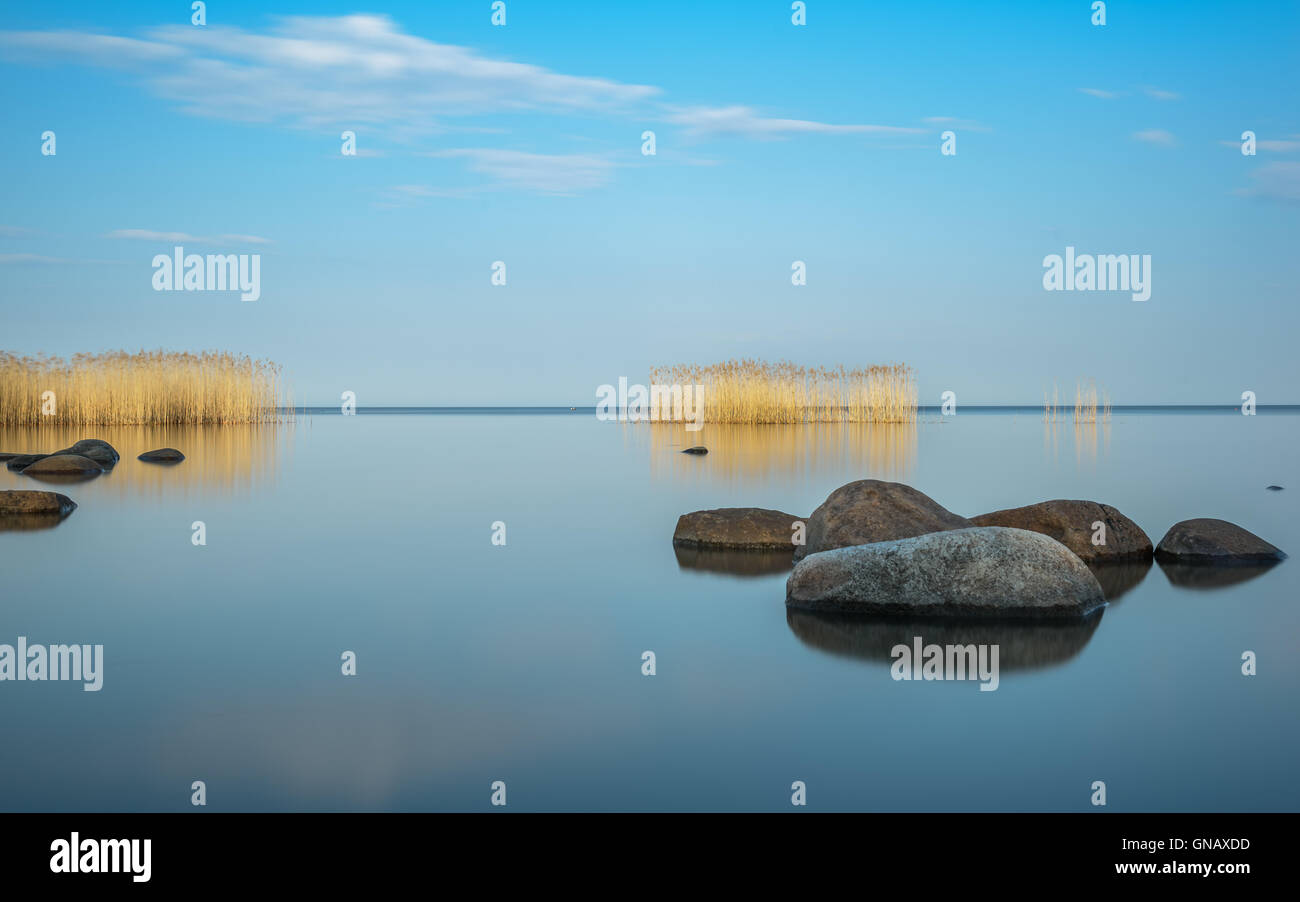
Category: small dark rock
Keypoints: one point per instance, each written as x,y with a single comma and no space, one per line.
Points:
1210,541
1274,488
162,455
23,503
698,449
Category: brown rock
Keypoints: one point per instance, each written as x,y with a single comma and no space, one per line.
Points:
63,465
1070,523
18,504
870,510
736,527
1210,541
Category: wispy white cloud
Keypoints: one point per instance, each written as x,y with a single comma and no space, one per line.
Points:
536,172
324,71
1276,181
747,122
8,231
1159,94
1275,146
1155,136
173,237
1098,92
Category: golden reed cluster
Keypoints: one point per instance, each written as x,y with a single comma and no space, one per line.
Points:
1090,405
757,392
148,388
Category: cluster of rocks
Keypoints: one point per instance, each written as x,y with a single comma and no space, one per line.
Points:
885,548
84,460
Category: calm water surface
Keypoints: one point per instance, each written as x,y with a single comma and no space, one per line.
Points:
522,663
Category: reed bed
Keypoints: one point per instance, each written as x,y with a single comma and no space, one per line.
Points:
1091,405
147,388
757,392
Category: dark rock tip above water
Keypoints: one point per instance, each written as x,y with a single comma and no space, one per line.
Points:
162,456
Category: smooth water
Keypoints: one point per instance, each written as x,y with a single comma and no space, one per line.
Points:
522,662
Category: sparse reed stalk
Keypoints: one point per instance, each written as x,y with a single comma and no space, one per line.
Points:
147,388
758,392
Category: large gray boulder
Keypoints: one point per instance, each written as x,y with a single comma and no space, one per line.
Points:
736,527
871,510
982,571
1210,541
1071,524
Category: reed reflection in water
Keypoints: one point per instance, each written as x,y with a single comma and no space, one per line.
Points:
756,452
225,459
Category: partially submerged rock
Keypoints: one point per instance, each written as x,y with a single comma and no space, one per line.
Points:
20,462
1073,524
1210,541
698,449
162,456
63,465
98,450
736,527
23,503
988,571
23,510
871,510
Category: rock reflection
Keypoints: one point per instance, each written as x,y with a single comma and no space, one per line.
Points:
1117,578
1214,576
217,457
1021,646
879,450
734,562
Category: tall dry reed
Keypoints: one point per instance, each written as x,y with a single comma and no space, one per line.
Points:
147,388
757,392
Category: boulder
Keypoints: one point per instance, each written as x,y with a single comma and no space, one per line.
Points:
19,504
1210,541
985,571
63,465
162,456
870,510
1071,524
101,452
736,527
20,462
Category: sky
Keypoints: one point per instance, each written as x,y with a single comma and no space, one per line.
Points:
522,143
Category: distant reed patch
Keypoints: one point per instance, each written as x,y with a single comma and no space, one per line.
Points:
147,388
758,392
1091,405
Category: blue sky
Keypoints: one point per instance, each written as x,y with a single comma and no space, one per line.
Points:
775,143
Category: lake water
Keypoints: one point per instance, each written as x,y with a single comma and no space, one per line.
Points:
522,662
